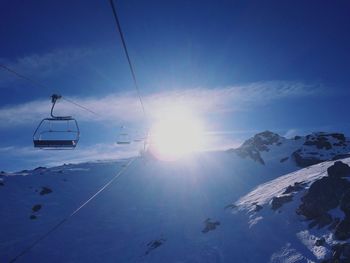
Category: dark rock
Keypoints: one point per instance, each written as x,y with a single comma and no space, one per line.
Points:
293,188
32,217
45,190
334,224
297,137
320,242
210,225
342,231
36,208
340,254
313,153
40,168
284,159
257,208
339,169
339,144
321,221
346,250
320,143
345,204
230,206
253,154
154,244
328,193
2,184
339,136
337,251
279,201
341,156
323,195
304,161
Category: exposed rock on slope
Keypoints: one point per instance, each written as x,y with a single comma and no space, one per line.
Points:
303,151
320,195
319,147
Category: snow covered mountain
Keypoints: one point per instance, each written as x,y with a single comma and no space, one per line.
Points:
166,211
301,150
303,216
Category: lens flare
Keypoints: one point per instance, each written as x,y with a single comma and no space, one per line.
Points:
176,134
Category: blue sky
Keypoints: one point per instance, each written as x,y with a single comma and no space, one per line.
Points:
243,66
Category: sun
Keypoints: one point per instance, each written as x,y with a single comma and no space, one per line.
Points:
176,134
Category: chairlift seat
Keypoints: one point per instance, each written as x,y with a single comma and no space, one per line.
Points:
123,142
46,137
55,143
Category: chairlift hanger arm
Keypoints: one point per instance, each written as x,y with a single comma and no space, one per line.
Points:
54,98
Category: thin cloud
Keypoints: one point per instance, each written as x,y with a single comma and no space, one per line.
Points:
126,107
41,66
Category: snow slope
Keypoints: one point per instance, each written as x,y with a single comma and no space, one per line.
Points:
152,203
155,212
295,227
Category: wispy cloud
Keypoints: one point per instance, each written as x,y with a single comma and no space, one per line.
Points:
126,108
41,66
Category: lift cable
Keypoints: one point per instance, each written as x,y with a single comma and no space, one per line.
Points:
127,55
38,84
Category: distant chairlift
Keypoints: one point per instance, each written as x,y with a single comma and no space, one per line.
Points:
123,137
139,137
57,132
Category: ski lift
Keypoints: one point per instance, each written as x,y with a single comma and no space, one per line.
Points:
139,137
123,137
57,132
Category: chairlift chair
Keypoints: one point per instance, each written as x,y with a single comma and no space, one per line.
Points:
123,137
57,132
139,137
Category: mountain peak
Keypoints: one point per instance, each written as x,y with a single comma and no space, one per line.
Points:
260,142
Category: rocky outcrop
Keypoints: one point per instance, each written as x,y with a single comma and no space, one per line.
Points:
328,193
340,254
259,143
152,245
321,142
279,201
340,156
36,208
210,225
294,188
40,168
319,147
339,170
304,161
284,159
45,190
